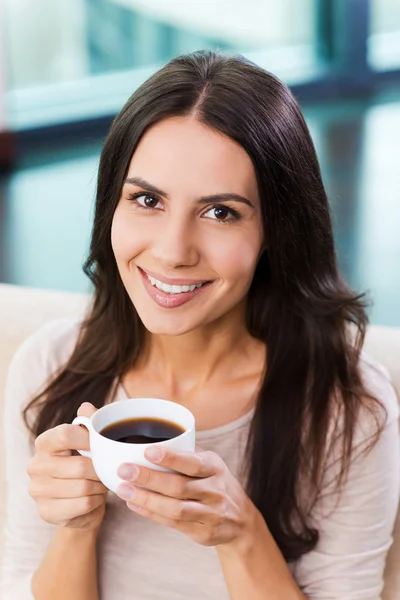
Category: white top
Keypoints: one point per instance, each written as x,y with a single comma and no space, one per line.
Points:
143,560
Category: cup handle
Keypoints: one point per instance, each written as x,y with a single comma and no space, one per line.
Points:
87,423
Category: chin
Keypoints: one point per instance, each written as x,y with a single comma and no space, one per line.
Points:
167,326
158,328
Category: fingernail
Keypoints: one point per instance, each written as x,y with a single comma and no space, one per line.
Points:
125,492
128,472
155,454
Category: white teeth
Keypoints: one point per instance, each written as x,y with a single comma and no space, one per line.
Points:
172,289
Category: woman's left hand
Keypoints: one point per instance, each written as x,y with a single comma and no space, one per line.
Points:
201,498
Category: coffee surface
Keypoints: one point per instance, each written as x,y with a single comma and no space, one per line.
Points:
142,430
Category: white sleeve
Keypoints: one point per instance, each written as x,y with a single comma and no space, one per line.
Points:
355,527
26,535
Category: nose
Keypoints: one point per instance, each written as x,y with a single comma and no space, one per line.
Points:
176,245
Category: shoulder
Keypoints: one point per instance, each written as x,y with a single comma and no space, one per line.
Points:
377,382
377,421
44,352
355,521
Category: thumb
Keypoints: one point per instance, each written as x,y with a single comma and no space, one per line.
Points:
86,410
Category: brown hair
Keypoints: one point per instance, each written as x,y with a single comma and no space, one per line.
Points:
298,304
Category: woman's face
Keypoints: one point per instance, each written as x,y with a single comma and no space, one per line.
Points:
189,215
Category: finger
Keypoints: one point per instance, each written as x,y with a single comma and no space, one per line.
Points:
65,488
183,526
168,484
61,438
62,467
58,511
170,508
86,410
193,464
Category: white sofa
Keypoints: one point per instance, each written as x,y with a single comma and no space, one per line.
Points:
23,310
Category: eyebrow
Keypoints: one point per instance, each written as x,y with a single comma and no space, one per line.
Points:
138,181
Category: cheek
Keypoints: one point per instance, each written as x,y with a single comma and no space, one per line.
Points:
125,237
236,261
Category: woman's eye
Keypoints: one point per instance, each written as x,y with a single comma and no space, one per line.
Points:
222,213
146,201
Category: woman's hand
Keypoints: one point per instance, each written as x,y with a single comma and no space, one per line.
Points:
203,499
65,487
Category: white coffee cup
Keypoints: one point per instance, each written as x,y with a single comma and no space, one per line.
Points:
107,455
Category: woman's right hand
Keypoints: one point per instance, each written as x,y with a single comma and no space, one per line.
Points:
65,487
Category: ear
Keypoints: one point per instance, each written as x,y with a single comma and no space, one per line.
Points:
264,248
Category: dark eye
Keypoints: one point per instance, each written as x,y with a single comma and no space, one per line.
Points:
148,201
144,200
222,213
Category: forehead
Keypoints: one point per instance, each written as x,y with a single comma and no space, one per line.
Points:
180,152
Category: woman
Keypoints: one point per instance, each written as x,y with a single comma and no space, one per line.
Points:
208,178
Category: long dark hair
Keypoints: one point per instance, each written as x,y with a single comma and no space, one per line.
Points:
298,304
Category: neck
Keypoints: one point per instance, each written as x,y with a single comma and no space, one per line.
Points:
203,357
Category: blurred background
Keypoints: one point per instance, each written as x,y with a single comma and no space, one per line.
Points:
68,66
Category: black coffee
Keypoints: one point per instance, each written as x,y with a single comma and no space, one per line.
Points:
142,431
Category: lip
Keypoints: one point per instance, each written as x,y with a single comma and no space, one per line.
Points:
171,280
170,300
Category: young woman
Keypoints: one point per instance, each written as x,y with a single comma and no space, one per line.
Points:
215,286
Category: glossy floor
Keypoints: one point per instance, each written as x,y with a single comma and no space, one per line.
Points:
46,204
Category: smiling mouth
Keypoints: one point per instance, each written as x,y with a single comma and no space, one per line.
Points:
173,289
172,295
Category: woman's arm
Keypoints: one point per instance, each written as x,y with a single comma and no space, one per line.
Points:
355,527
206,502
69,569
254,567
26,535
68,495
